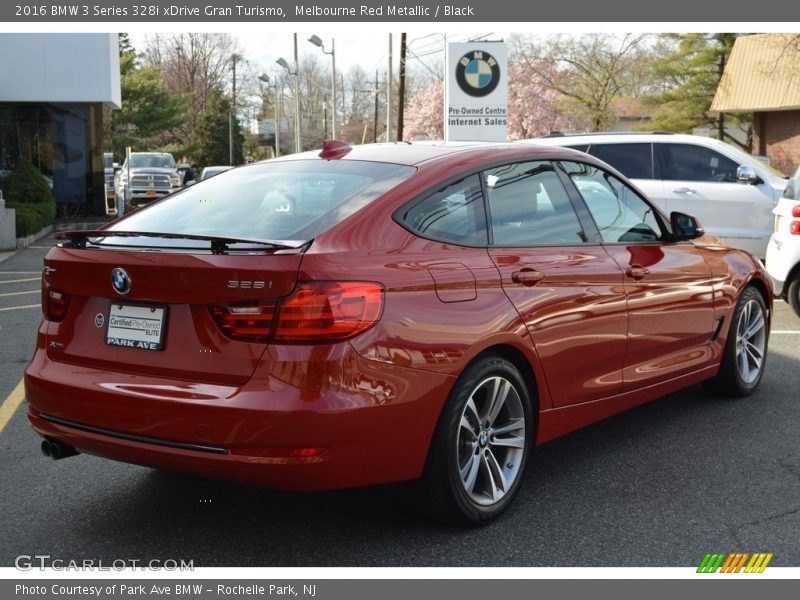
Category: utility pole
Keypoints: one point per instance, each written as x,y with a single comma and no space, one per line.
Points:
232,113
401,90
297,146
375,113
389,94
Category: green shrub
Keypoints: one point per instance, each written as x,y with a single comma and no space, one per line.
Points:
26,185
32,218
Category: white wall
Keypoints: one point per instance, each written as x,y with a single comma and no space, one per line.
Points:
60,67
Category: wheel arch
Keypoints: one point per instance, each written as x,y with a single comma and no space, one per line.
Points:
763,290
520,361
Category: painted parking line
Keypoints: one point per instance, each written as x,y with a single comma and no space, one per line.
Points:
11,404
2,281
785,332
19,272
20,307
20,293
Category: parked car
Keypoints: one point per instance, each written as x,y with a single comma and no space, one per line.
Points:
783,253
427,311
152,175
211,171
731,192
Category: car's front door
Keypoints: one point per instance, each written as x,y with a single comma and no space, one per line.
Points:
668,285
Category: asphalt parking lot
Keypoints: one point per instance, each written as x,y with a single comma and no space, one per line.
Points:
661,485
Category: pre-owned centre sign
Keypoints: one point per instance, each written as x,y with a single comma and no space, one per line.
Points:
476,103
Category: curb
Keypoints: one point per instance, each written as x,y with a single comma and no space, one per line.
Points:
24,242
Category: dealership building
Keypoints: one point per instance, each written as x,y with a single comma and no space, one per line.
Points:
53,90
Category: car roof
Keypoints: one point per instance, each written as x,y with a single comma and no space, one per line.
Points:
624,137
417,153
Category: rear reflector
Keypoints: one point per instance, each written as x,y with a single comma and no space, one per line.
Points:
277,452
317,312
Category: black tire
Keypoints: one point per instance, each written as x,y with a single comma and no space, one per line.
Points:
793,295
490,449
745,353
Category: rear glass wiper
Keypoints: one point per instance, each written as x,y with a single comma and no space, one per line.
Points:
219,244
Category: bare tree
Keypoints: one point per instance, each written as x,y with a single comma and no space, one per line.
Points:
194,64
588,71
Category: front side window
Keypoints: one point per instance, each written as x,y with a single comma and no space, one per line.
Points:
686,162
453,214
530,207
621,215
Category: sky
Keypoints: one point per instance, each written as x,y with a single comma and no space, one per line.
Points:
368,49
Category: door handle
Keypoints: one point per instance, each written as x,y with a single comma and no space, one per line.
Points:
527,277
636,272
684,190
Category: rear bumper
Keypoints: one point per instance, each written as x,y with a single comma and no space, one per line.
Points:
145,196
783,254
371,423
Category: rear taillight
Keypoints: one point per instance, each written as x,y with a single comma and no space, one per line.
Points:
794,227
796,211
317,311
54,303
328,311
246,322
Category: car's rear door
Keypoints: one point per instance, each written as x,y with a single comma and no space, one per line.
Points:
568,291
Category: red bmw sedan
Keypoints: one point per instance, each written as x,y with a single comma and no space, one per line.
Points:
381,313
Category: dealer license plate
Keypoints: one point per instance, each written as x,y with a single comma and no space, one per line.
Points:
136,326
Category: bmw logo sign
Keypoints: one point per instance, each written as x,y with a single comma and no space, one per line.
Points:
477,73
121,281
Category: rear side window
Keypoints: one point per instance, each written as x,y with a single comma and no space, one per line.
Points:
276,200
686,162
454,214
530,207
635,161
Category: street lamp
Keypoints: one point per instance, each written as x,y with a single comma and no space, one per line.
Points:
282,62
232,112
265,78
318,43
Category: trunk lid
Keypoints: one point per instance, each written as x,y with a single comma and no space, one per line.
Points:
170,292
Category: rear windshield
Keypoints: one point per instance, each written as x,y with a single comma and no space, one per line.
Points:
278,200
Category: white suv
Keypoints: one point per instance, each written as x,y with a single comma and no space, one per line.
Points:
783,253
731,192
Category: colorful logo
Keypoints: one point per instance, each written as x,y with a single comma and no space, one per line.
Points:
477,73
735,562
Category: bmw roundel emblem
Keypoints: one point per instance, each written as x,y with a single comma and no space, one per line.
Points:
477,73
121,281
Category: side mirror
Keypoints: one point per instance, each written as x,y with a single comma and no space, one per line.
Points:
685,227
190,182
747,175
